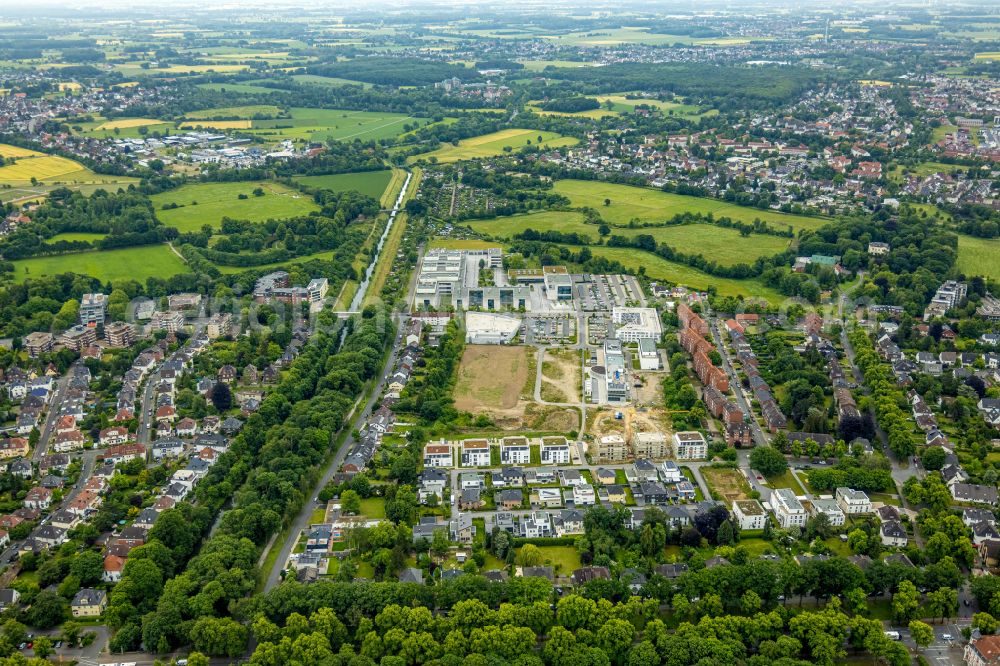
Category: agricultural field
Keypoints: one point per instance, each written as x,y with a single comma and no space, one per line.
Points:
491,377
134,263
978,256
122,127
490,145
331,81
595,114
636,35
372,183
207,203
242,112
30,165
725,246
644,204
539,65
238,88
217,124
339,124
623,104
658,268
461,244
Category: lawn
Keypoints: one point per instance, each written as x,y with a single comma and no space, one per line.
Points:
218,200
135,263
565,559
647,204
979,256
490,145
724,246
372,183
922,170
88,236
786,480
373,507
658,268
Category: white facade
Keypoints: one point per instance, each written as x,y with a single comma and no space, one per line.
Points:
555,454
690,446
475,453
853,502
749,514
634,324
787,509
831,509
438,455
518,453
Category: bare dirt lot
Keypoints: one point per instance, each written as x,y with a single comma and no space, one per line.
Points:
561,375
730,484
499,381
650,393
603,422
491,377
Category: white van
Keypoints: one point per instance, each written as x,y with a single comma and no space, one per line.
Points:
894,635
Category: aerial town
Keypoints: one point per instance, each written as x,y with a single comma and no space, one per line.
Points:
453,334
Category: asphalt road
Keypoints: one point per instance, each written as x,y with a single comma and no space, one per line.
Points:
52,415
302,520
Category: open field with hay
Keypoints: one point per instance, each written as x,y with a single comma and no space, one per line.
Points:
490,145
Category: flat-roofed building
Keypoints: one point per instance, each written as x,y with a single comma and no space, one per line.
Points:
690,445
787,508
555,451
119,334
650,445
93,308
749,514
38,343
611,448
634,324
475,453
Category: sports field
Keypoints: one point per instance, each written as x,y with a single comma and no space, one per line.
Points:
132,263
661,269
979,256
207,203
372,183
725,246
646,204
491,377
490,145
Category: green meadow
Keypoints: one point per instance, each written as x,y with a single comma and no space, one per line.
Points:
207,203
